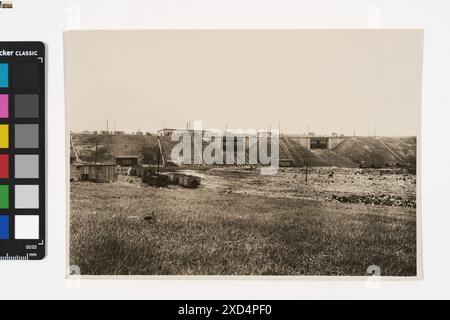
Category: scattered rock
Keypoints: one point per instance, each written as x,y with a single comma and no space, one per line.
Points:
150,218
383,200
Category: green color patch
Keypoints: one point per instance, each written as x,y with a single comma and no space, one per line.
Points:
4,197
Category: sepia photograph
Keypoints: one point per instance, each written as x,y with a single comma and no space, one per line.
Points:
244,152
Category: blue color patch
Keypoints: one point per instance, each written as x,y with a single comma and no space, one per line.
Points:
4,75
4,227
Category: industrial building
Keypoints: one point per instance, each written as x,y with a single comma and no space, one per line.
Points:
319,142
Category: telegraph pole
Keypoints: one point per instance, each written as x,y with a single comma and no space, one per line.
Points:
96,151
159,157
96,160
306,171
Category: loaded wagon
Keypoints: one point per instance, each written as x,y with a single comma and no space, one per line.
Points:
170,178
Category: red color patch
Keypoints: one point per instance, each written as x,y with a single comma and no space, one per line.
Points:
4,166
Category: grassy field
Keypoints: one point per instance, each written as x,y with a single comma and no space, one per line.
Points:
206,232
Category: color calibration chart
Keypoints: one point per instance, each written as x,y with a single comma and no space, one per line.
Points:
22,150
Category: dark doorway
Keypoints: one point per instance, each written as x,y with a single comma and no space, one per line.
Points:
319,143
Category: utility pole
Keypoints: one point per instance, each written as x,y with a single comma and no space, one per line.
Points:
96,151
159,157
107,125
306,171
96,160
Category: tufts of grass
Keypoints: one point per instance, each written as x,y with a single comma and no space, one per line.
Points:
202,232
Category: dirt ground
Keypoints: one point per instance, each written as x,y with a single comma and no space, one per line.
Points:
242,223
322,182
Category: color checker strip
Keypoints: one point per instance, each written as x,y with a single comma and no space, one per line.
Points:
22,151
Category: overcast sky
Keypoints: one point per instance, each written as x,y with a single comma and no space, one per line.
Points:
327,80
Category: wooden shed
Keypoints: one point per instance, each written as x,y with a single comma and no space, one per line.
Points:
99,172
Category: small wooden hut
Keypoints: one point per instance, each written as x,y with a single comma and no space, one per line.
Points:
98,172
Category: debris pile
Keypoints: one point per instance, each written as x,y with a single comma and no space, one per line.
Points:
383,200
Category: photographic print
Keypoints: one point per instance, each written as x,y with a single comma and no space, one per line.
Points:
244,152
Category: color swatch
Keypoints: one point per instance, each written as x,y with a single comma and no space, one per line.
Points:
22,151
4,106
4,75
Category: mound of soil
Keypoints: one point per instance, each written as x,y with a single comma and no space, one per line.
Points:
367,152
334,159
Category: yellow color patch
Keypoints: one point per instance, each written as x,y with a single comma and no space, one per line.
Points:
4,136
